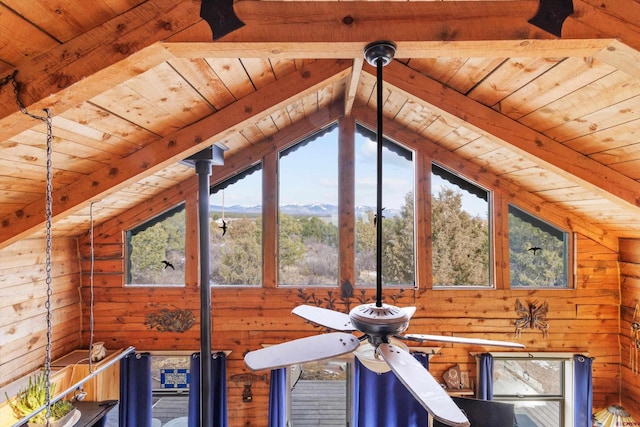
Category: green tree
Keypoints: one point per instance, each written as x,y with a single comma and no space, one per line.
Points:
460,242
398,246
174,226
542,267
365,249
148,250
291,248
318,230
241,255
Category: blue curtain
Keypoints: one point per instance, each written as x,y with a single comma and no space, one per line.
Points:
278,398
485,377
583,391
135,391
218,387
380,400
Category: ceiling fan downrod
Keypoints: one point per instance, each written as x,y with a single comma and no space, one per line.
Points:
378,54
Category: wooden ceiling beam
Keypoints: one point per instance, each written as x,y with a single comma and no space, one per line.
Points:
174,147
612,19
482,176
352,85
348,49
342,23
95,61
532,145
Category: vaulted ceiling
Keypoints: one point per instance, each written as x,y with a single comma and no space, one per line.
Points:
135,86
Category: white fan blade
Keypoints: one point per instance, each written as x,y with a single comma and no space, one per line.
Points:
423,386
325,317
460,340
409,310
302,350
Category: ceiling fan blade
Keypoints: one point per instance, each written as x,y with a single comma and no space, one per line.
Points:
409,310
460,340
302,350
423,386
325,317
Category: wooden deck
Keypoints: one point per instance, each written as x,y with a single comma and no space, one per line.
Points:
542,416
319,403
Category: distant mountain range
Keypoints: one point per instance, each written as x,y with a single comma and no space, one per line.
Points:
319,210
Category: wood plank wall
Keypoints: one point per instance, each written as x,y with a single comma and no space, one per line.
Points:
583,320
23,292
630,299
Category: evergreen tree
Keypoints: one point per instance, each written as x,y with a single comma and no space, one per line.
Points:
460,242
148,252
398,246
536,257
241,255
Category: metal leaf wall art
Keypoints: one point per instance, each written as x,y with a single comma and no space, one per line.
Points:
532,315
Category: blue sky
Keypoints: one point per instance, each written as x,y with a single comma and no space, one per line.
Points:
310,175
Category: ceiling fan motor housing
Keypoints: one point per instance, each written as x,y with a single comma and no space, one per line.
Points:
385,321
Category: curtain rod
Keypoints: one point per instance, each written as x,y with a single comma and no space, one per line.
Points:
531,354
74,387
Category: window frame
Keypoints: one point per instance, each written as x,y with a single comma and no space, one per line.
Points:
567,382
349,380
570,251
398,148
492,261
281,152
254,168
142,226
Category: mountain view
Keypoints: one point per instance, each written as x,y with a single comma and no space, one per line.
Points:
318,210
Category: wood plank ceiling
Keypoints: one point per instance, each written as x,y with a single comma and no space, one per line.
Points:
134,86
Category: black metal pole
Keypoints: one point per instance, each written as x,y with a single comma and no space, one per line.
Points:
378,54
379,65
203,169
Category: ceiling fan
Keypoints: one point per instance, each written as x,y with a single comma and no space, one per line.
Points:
382,325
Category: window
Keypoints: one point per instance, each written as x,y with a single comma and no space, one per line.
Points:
170,376
538,252
156,250
308,209
235,211
460,231
320,393
398,250
538,386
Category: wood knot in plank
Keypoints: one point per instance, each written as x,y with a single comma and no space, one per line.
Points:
166,25
347,20
122,48
62,81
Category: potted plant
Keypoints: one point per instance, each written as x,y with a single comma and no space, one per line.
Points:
33,397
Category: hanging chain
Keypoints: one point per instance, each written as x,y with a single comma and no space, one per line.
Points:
49,215
91,320
11,78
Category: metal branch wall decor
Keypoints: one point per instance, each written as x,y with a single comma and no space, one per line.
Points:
165,320
346,297
532,315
